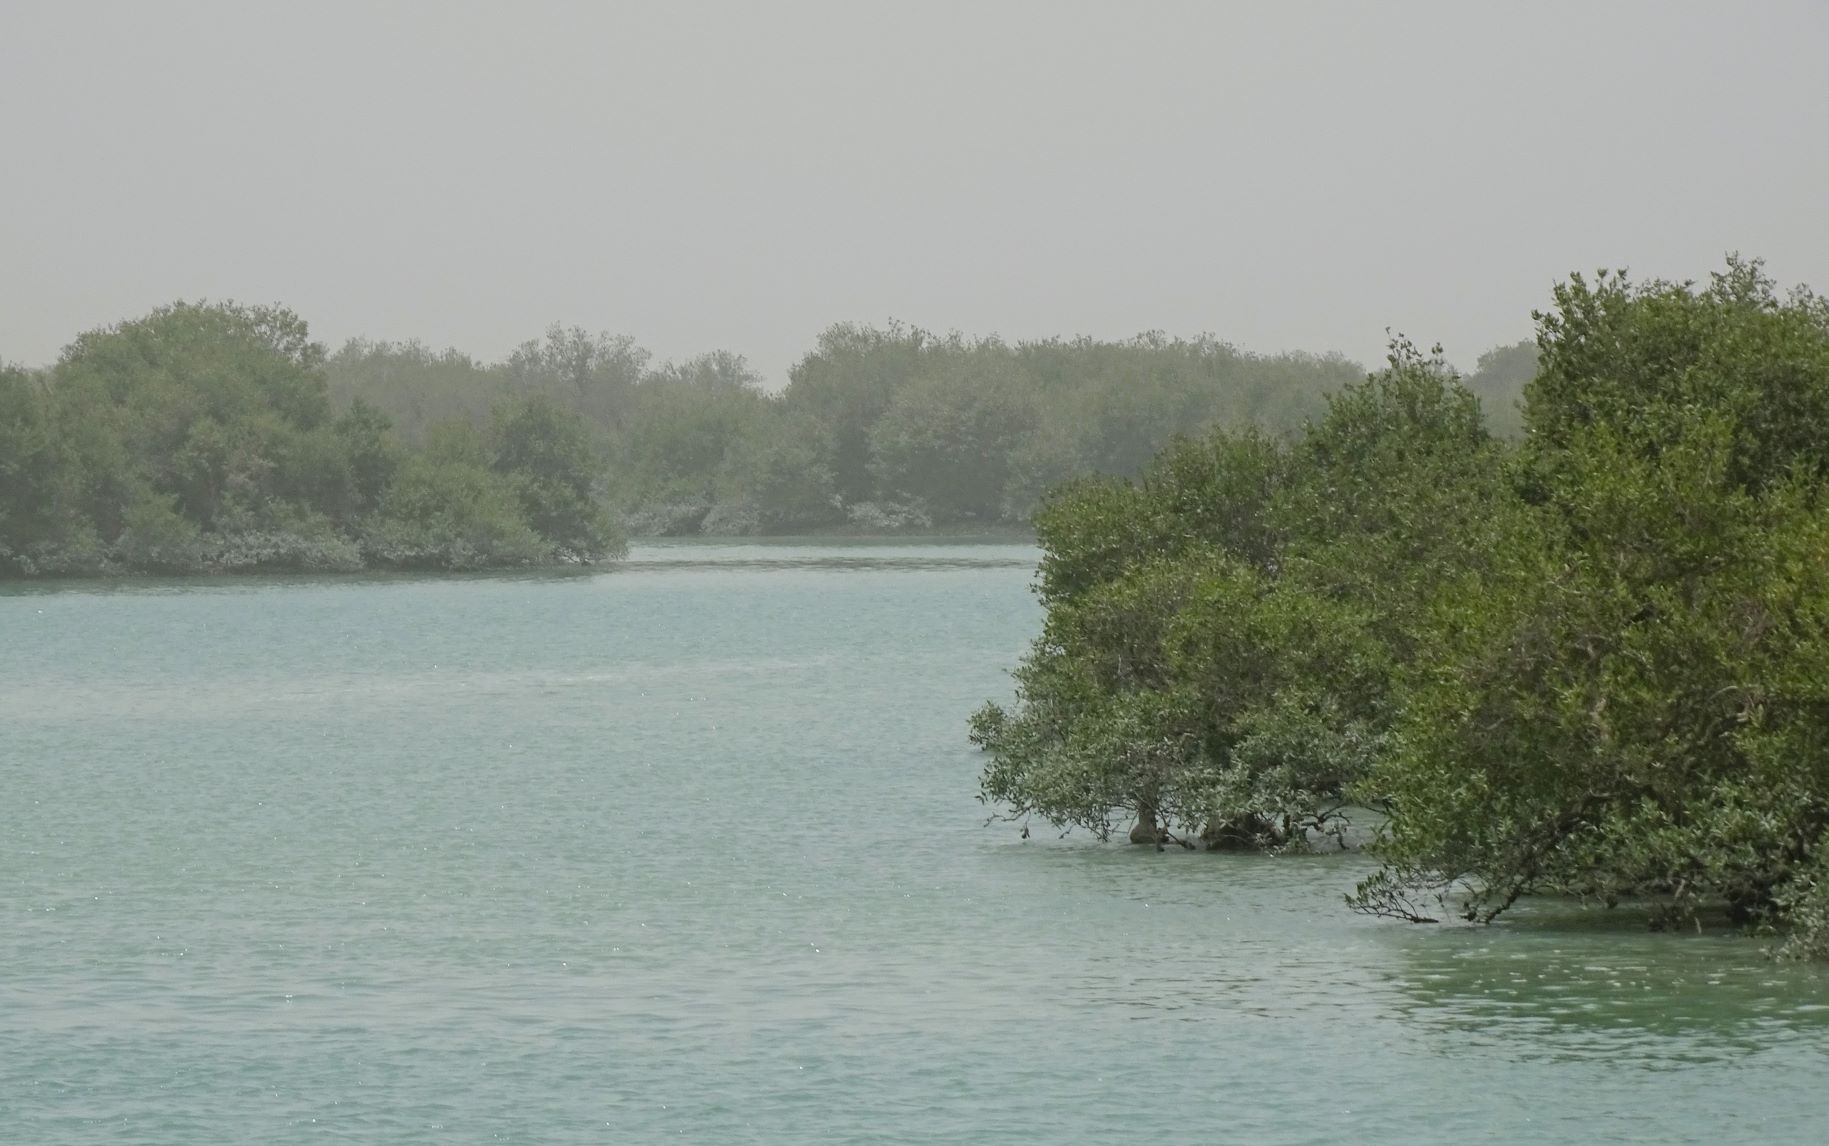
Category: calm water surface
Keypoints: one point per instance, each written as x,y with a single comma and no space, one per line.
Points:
690,850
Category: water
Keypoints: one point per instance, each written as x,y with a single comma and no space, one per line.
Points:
690,850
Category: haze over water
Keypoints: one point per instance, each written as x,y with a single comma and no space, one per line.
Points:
690,849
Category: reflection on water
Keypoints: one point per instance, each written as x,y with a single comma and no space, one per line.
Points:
648,555
646,563
857,554
1191,937
1562,982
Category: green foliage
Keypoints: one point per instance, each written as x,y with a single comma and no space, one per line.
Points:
779,474
1217,658
847,382
33,470
202,438
1196,694
1498,381
547,456
1630,695
1595,663
234,417
591,374
686,424
1394,490
947,439
371,457
1643,361
1114,405
1213,491
450,513
414,387
884,428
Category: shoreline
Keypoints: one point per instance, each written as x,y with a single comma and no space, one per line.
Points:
57,568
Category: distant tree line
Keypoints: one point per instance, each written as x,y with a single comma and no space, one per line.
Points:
1594,661
203,439
879,428
221,437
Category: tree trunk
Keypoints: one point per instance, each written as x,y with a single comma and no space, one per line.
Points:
1147,831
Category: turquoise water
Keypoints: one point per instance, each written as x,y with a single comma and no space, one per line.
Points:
689,850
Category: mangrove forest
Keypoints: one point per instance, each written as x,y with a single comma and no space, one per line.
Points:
1588,660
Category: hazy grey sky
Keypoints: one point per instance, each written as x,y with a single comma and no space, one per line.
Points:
1285,175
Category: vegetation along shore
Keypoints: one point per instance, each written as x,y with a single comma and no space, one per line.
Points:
1591,661
222,438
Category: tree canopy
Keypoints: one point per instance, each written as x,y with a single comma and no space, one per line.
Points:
202,437
222,437
1629,696
878,427
1589,661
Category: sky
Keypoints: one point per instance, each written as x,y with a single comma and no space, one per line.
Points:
1284,175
